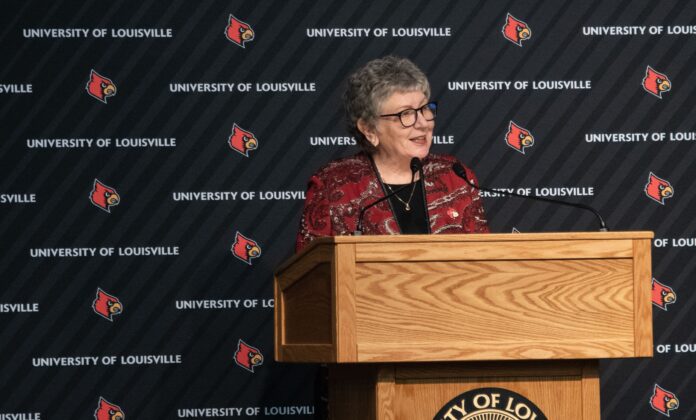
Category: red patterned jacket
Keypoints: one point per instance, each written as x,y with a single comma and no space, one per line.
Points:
338,191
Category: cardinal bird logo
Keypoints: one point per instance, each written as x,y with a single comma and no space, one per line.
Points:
658,189
245,249
242,141
239,32
656,83
663,401
247,357
104,196
518,138
107,305
662,295
108,411
100,87
516,31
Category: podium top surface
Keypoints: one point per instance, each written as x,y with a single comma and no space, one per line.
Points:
468,237
464,237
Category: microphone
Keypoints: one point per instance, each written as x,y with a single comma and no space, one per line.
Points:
416,166
459,170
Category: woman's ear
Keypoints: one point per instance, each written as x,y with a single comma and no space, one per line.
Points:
368,131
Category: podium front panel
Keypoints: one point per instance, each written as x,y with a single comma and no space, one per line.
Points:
420,298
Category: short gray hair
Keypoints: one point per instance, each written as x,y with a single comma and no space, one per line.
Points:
373,83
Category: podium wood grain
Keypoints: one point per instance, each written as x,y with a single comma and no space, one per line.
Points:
498,309
467,297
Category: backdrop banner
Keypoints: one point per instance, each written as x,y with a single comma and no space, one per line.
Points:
154,159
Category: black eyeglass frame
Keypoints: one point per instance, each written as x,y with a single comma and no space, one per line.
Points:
432,105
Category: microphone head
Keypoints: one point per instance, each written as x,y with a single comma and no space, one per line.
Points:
416,164
459,170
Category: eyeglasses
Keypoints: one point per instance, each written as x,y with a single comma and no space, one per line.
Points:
408,117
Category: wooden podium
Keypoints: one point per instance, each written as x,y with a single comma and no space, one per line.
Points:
408,323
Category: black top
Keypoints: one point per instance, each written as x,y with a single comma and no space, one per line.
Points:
414,220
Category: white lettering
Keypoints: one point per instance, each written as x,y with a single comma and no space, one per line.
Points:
443,139
561,84
204,196
150,359
286,87
479,85
683,242
681,30
64,361
17,198
200,87
20,416
59,143
338,32
685,348
564,192
208,304
616,137
16,88
613,30
332,141
55,33
281,195
19,307
146,142
421,32
141,33
146,251
61,252
209,412
689,136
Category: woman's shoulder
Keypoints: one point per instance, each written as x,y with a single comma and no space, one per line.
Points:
350,164
438,158
442,166
438,163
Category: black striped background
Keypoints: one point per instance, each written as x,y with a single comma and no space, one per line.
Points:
143,69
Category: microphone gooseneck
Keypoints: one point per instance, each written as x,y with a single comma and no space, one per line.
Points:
461,172
416,166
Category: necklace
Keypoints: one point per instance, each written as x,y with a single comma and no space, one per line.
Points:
407,204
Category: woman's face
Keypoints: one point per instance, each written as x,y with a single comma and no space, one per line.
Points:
396,142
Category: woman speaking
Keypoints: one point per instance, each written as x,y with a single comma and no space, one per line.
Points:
391,116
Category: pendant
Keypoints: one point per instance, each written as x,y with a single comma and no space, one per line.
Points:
408,207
